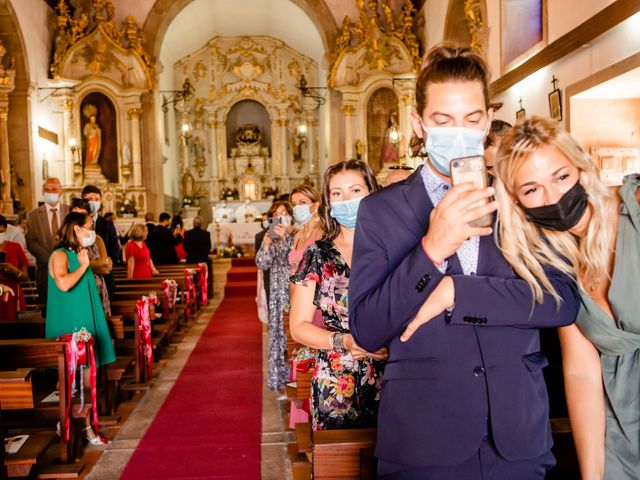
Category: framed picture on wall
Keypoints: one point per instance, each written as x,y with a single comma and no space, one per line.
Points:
555,105
520,114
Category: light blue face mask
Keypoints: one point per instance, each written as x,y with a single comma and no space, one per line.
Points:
443,144
346,212
302,213
94,206
51,198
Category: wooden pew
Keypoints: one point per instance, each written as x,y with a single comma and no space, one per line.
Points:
43,353
344,454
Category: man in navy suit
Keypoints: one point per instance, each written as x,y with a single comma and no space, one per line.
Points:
464,396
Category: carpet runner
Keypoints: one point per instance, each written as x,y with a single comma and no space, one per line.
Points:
210,424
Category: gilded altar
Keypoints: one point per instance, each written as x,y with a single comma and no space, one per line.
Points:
103,70
246,112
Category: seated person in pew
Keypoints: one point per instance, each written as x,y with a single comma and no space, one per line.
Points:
73,300
137,255
100,262
347,379
13,271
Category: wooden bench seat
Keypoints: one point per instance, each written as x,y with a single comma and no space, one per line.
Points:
344,454
20,463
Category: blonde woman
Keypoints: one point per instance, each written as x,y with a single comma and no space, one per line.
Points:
305,201
138,258
555,211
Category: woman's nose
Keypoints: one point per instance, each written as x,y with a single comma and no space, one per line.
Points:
551,196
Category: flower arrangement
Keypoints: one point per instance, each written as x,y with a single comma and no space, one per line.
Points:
232,251
128,208
187,201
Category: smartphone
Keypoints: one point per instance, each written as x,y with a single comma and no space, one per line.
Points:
472,169
273,222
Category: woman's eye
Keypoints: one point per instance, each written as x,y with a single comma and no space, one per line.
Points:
563,177
530,191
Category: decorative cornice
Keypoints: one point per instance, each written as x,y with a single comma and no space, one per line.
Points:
98,14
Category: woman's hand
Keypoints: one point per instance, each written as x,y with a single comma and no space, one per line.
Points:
83,258
441,298
356,351
6,292
280,229
266,241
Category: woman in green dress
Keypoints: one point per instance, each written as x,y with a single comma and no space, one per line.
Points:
554,210
73,300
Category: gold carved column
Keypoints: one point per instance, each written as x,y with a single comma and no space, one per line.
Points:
348,130
282,134
5,165
7,85
136,153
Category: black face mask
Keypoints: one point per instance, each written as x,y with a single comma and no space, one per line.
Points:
562,215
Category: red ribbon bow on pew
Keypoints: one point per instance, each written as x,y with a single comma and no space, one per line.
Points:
144,324
203,271
169,285
79,348
188,281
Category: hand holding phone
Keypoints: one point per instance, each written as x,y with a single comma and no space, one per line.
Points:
473,170
273,223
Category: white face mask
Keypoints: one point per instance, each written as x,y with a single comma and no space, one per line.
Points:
51,198
90,240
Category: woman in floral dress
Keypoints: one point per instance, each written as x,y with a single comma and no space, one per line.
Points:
274,256
347,379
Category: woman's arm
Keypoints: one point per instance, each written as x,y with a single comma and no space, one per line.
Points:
102,264
130,266
305,332
59,268
154,271
585,399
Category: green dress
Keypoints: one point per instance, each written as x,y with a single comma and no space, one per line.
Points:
618,341
80,306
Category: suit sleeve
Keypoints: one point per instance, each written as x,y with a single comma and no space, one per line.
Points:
384,298
111,242
36,248
500,302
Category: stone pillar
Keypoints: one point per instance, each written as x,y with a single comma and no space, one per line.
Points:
5,165
136,154
312,141
348,131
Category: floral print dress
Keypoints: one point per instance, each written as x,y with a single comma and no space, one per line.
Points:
276,260
345,392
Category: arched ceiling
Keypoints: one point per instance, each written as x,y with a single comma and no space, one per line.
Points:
201,20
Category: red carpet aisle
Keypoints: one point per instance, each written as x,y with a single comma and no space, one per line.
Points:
210,425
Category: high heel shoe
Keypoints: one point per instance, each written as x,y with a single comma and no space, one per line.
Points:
96,440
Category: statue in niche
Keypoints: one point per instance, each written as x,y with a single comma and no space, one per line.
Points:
249,135
93,136
16,182
188,185
297,142
359,149
390,152
197,147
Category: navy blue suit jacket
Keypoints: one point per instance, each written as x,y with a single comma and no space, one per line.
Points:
480,361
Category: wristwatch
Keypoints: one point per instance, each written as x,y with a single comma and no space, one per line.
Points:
337,342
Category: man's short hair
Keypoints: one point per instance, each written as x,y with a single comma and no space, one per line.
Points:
197,221
164,216
90,189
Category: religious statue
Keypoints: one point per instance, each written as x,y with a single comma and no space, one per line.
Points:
93,136
390,152
297,142
359,149
249,134
188,185
197,147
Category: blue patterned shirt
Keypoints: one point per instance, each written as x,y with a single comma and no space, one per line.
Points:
468,252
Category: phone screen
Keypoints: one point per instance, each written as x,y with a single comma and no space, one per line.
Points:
472,169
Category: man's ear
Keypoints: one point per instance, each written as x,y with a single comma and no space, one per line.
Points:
416,124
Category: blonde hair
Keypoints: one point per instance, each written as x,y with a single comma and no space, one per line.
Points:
528,247
308,191
138,232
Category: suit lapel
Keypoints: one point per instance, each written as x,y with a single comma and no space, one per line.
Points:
418,200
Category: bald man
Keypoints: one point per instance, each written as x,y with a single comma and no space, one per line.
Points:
42,227
397,174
